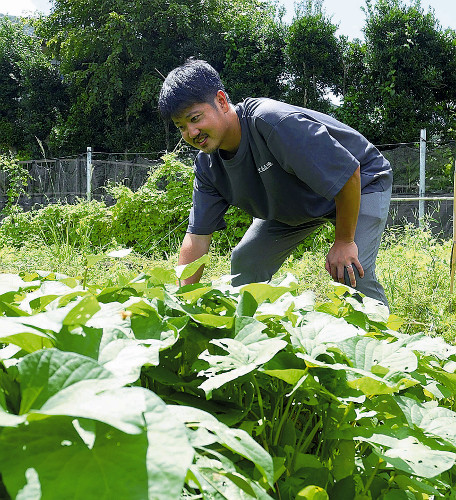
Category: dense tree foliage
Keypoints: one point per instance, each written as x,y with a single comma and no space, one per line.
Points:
409,78
314,56
113,55
31,91
254,43
110,57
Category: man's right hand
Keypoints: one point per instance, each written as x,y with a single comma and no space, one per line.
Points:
193,247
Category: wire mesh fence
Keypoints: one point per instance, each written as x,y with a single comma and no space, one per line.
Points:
438,186
65,180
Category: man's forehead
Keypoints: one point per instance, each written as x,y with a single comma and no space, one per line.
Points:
188,111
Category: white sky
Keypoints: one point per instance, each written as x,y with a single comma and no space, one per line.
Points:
346,13
20,7
350,18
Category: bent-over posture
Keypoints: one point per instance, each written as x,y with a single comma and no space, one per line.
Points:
291,168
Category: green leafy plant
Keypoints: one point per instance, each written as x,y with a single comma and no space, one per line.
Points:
16,177
83,225
211,391
152,219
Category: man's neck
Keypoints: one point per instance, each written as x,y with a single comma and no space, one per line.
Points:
233,139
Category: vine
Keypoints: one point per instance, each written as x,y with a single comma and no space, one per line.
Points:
17,177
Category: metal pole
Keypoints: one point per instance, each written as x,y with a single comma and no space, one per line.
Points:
422,189
453,259
89,173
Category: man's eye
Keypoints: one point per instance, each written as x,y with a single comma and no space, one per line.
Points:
195,118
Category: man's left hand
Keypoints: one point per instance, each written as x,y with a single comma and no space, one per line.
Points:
344,255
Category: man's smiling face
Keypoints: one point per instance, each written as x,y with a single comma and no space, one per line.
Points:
206,126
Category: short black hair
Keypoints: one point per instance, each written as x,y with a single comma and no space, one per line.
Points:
194,82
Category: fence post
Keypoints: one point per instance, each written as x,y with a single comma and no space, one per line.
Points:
422,189
89,173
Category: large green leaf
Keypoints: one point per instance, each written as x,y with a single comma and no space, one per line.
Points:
82,311
264,291
366,352
126,357
199,314
285,305
28,332
151,464
373,309
46,293
403,450
318,331
416,458
45,373
216,477
186,270
147,323
28,338
110,318
247,351
368,383
13,283
122,407
83,340
236,440
35,332
433,420
427,345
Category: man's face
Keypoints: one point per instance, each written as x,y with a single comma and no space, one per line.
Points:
204,125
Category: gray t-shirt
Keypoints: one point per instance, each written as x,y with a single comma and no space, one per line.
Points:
290,165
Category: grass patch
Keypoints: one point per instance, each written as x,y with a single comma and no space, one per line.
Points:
413,266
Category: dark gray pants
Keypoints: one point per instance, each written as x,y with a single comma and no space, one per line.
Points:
267,244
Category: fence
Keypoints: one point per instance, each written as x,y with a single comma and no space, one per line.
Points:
423,183
65,180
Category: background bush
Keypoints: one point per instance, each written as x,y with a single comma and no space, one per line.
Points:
152,219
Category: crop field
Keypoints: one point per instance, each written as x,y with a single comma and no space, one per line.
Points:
290,390
119,383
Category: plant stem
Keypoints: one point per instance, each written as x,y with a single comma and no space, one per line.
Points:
346,412
302,446
260,404
282,421
275,416
372,477
84,279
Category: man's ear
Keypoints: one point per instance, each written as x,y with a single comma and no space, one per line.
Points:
222,100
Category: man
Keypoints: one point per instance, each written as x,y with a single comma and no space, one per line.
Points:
291,168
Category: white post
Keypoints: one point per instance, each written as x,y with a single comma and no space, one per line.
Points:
422,189
89,173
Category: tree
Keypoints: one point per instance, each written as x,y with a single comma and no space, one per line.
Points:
314,57
254,43
31,91
113,55
410,75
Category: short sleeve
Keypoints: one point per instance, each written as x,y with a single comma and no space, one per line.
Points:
306,149
208,208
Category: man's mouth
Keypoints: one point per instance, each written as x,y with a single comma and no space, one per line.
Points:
201,141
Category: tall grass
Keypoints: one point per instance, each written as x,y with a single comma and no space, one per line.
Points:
413,266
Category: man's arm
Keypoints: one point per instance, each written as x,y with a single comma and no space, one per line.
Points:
193,247
344,252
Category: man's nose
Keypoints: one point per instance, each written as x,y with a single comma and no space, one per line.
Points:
193,131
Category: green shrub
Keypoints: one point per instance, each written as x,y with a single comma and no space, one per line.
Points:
85,224
16,181
152,219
